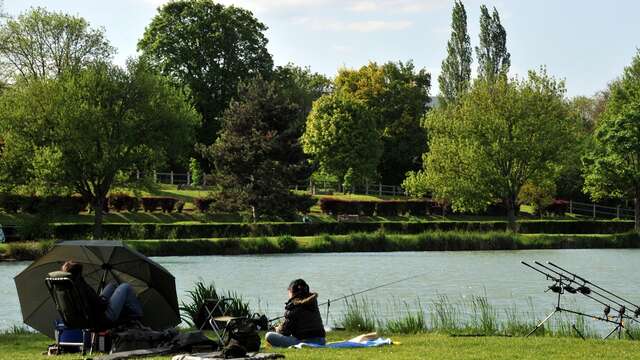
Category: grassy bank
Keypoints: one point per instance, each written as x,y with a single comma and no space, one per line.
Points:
382,242
141,231
357,242
420,346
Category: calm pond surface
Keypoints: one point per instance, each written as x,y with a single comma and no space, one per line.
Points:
263,279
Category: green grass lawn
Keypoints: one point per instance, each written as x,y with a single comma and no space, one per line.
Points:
421,346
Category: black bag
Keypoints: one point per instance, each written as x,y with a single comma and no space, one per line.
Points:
243,332
136,339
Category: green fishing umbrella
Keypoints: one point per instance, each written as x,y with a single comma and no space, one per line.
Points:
103,261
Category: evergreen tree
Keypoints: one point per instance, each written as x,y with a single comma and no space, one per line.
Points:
456,68
258,155
493,58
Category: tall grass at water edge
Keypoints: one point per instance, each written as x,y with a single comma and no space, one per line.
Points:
470,317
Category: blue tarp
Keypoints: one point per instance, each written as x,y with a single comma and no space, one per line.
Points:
348,344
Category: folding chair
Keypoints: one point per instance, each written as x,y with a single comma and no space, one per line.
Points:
72,305
217,316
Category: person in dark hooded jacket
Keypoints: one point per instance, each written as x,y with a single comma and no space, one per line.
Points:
302,320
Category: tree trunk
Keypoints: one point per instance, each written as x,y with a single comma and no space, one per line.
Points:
98,205
636,212
510,204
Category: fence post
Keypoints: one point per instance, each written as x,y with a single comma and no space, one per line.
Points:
618,211
171,177
380,189
570,207
137,174
594,211
155,176
366,188
188,178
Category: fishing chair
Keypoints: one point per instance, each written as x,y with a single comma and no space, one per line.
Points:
73,305
217,317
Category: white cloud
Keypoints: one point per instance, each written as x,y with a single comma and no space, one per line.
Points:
409,6
351,26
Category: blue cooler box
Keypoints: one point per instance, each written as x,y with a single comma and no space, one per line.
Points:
68,337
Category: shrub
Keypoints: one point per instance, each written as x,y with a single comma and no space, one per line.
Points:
417,207
123,201
390,208
367,208
28,250
152,203
10,203
203,204
193,312
287,244
557,207
303,203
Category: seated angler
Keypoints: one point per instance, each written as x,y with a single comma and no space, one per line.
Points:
302,320
114,303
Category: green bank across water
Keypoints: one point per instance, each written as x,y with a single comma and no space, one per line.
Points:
357,242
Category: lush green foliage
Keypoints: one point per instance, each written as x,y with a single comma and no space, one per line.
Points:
455,76
257,155
612,168
341,134
210,48
44,44
79,131
396,94
493,58
500,136
194,314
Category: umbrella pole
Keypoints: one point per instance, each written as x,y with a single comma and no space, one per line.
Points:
102,281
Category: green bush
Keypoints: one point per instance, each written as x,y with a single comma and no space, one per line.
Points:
153,203
122,201
287,244
203,204
28,250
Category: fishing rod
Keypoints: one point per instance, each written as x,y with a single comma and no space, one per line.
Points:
328,302
585,281
560,286
586,291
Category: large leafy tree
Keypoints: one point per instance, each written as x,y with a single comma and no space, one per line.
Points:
500,136
493,58
341,136
40,44
397,95
210,48
612,168
257,155
80,130
455,76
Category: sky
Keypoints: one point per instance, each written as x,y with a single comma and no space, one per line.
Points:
588,43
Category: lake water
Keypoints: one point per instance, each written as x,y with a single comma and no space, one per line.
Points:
498,275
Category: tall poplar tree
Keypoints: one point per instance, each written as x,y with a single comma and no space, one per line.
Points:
493,58
456,68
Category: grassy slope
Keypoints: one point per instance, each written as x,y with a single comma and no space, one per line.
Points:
422,346
190,214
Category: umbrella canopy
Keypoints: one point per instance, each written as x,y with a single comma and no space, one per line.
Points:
103,261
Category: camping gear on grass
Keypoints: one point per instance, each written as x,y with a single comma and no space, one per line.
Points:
103,261
154,343
219,355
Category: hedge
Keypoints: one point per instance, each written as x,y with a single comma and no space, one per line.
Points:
195,231
12,203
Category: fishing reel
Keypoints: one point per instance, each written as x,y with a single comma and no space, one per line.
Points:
556,288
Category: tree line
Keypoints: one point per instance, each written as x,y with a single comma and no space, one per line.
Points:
204,93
